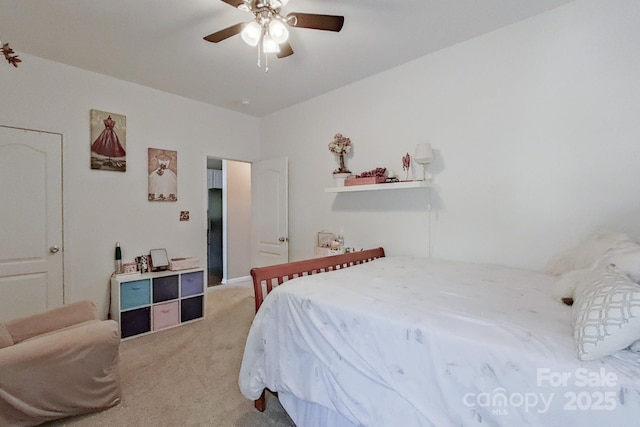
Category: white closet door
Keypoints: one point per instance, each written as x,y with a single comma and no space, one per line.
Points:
31,255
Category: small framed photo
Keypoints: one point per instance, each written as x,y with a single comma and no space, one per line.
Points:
324,239
129,267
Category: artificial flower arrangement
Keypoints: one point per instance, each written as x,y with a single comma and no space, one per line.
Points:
340,146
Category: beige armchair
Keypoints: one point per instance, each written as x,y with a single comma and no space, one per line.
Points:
59,363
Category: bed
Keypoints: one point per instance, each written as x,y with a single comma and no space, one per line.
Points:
387,341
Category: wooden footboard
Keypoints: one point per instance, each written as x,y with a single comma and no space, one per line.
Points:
275,275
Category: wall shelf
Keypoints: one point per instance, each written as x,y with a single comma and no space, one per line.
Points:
375,187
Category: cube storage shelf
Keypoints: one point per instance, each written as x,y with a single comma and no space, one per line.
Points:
151,302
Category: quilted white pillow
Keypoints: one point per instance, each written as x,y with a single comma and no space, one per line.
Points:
606,315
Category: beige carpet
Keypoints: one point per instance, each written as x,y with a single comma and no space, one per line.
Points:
188,375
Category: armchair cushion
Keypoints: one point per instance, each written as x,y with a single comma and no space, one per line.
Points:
5,337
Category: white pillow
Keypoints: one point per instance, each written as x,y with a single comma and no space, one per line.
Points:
624,257
565,287
606,315
586,253
635,347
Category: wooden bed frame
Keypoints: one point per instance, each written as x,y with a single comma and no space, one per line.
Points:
275,275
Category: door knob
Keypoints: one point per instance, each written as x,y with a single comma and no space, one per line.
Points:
54,249
283,239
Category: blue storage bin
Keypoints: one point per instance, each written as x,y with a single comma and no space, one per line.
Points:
135,294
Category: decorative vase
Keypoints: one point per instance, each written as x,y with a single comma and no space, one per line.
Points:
339,178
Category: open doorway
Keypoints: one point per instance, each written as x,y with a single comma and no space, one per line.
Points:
228,221
215,223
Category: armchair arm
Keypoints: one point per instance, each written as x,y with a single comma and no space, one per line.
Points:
69,372
58,318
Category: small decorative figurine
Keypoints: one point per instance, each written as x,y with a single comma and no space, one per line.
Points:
406,164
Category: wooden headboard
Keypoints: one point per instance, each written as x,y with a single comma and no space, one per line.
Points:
282,272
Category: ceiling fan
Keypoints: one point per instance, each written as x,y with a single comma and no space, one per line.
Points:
269,29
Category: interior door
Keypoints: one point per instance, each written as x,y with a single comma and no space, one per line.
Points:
31,261
269,212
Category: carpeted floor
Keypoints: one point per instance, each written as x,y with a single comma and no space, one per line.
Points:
188,375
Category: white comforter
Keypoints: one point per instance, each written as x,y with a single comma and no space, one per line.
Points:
415,342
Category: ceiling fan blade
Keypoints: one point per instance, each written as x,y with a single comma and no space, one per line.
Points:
218,36
316,22
234,3
285,50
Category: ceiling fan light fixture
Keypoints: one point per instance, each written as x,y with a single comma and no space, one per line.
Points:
269,30
251,33
278,31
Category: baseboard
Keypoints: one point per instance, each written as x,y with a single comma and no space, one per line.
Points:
238,281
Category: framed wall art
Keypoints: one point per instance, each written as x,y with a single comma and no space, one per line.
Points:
163,175
108,141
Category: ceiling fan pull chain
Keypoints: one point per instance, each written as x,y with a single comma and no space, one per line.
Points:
259,52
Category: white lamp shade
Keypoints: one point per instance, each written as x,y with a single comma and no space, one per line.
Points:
276,4
269,45
278,31
251,33
424,153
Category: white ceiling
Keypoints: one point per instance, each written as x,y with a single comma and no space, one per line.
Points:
158,43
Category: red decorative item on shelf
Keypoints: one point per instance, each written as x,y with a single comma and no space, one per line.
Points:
380,172
365,180
374,176
406,164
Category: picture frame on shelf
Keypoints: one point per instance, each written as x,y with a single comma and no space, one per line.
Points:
158,259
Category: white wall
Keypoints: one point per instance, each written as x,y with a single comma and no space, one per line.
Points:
536,131
102,207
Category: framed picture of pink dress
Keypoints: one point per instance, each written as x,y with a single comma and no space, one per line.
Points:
163,175
108,141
